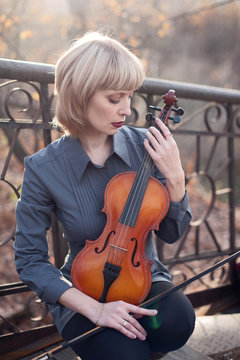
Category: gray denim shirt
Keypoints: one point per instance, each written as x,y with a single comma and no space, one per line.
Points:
62,178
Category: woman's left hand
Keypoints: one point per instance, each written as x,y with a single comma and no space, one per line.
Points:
164,151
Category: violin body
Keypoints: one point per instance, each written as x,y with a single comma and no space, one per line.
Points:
121,248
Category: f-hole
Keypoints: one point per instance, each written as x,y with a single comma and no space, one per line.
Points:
134,254
105,244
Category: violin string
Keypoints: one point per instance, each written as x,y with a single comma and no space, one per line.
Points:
144,169
120,235
147,161
131,211
139,187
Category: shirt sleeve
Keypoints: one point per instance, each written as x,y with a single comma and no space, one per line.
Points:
176,221
33,213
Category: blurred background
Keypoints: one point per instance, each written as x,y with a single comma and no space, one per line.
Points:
193,41
189,40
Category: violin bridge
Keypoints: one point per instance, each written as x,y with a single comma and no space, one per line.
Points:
118,247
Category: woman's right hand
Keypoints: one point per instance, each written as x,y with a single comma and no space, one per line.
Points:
118,315
123,317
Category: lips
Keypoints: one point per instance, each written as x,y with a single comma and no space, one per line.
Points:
117,124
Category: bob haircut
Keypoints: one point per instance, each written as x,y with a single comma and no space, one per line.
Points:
93,62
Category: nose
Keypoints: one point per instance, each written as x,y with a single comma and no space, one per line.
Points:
125,108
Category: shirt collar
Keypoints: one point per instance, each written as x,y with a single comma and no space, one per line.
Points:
76,156
79,159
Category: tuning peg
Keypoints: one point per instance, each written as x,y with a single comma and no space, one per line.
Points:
155,107
150,117
179,111
176,119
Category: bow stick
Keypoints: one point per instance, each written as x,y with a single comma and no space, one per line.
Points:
49,355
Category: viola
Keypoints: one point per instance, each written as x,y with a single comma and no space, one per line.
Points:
114,266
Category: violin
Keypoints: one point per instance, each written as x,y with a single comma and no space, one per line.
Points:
114,267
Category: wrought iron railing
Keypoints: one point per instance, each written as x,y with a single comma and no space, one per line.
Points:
208,139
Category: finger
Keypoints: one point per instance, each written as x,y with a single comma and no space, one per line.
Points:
134,323
150,149
154,137
164,129
125,331
130,317
136,329
157,138
141,311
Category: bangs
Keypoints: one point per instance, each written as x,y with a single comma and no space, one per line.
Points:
123,75
119,70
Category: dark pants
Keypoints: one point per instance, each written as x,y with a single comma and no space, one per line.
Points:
167,331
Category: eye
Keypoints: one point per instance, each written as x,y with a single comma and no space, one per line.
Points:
113,101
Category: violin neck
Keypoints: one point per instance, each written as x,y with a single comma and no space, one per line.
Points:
135,197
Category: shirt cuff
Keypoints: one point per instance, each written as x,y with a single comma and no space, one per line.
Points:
177,210
54,292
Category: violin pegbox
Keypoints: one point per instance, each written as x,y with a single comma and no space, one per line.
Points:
169,100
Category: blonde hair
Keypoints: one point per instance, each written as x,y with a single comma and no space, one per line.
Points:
93,62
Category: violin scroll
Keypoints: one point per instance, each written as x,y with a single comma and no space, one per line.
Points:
169,100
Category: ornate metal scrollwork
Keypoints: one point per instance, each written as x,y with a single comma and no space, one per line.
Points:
185,271
28,107
35,309
212,116
204,216
236,118
213,133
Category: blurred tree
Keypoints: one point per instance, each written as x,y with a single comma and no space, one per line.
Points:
165,35
11,28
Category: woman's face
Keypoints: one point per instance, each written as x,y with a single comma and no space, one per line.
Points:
107,110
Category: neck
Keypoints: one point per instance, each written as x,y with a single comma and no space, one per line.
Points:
98,147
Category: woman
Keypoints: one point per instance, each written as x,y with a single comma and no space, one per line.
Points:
95,80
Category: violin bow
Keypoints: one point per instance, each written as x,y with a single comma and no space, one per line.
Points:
50,354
